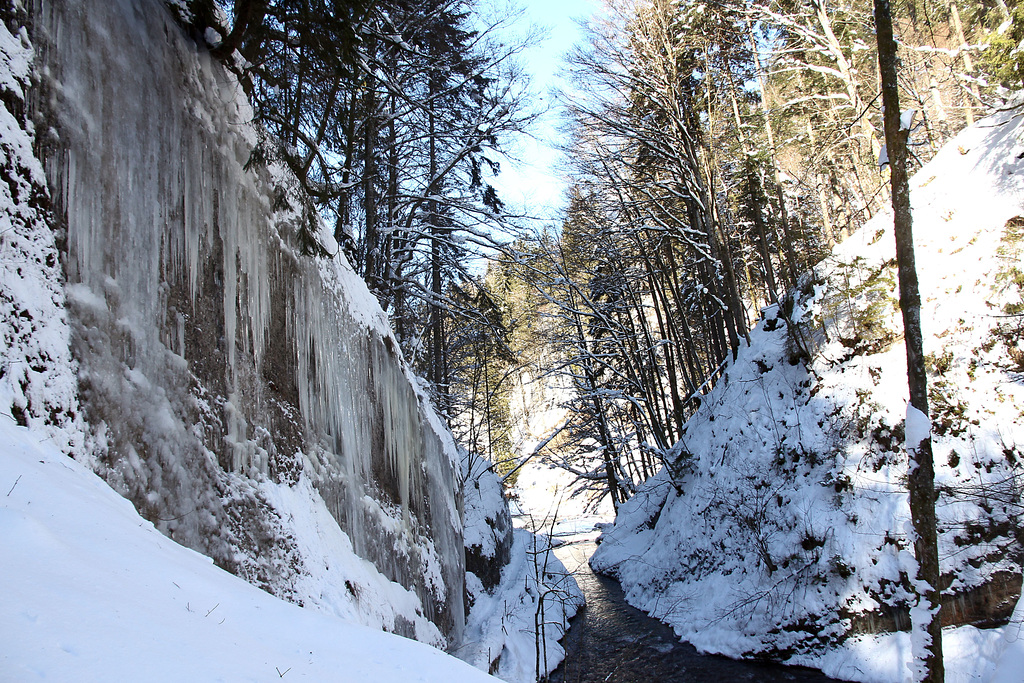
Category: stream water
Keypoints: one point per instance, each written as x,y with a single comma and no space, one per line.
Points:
612,641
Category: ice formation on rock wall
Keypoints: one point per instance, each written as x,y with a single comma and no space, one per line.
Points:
213,357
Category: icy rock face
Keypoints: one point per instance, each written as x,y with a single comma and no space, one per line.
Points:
212,356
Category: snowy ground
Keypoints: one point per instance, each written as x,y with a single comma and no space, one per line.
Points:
548,498
784,522
92,592
513,628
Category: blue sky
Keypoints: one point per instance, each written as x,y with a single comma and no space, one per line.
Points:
531,178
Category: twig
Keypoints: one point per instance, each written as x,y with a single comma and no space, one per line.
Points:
866,107
175,519
280,674
12,487
213,608
536,451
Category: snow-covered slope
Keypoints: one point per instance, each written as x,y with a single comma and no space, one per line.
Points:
780,529
93,592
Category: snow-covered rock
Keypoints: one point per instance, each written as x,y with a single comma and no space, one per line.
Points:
37,374
521,596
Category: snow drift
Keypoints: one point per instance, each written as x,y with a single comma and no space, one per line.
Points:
778,527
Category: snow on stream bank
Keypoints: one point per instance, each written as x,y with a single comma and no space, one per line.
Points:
514,626
782,532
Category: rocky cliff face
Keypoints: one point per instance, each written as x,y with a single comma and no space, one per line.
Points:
212,357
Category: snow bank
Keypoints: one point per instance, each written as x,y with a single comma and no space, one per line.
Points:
518,616
93,592
784,531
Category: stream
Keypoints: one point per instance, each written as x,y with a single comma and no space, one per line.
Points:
610,640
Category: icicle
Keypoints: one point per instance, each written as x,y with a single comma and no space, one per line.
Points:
162,215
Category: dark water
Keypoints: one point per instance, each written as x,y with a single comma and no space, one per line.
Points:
611,641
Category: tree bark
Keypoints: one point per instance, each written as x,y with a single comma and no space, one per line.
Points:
965,55
248,14
921,485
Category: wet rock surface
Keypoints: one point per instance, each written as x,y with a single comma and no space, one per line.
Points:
612,641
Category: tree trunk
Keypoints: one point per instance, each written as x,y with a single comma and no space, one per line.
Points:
849,75
248,16
389,243
343,228
438,357
965,54
921,484
756,191
371,234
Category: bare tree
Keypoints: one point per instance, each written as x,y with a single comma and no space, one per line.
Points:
921,483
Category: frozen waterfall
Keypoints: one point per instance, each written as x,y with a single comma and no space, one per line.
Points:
212,356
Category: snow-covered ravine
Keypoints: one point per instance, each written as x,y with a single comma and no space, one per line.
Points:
609,639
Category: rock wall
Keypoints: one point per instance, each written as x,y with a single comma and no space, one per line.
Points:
213,356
